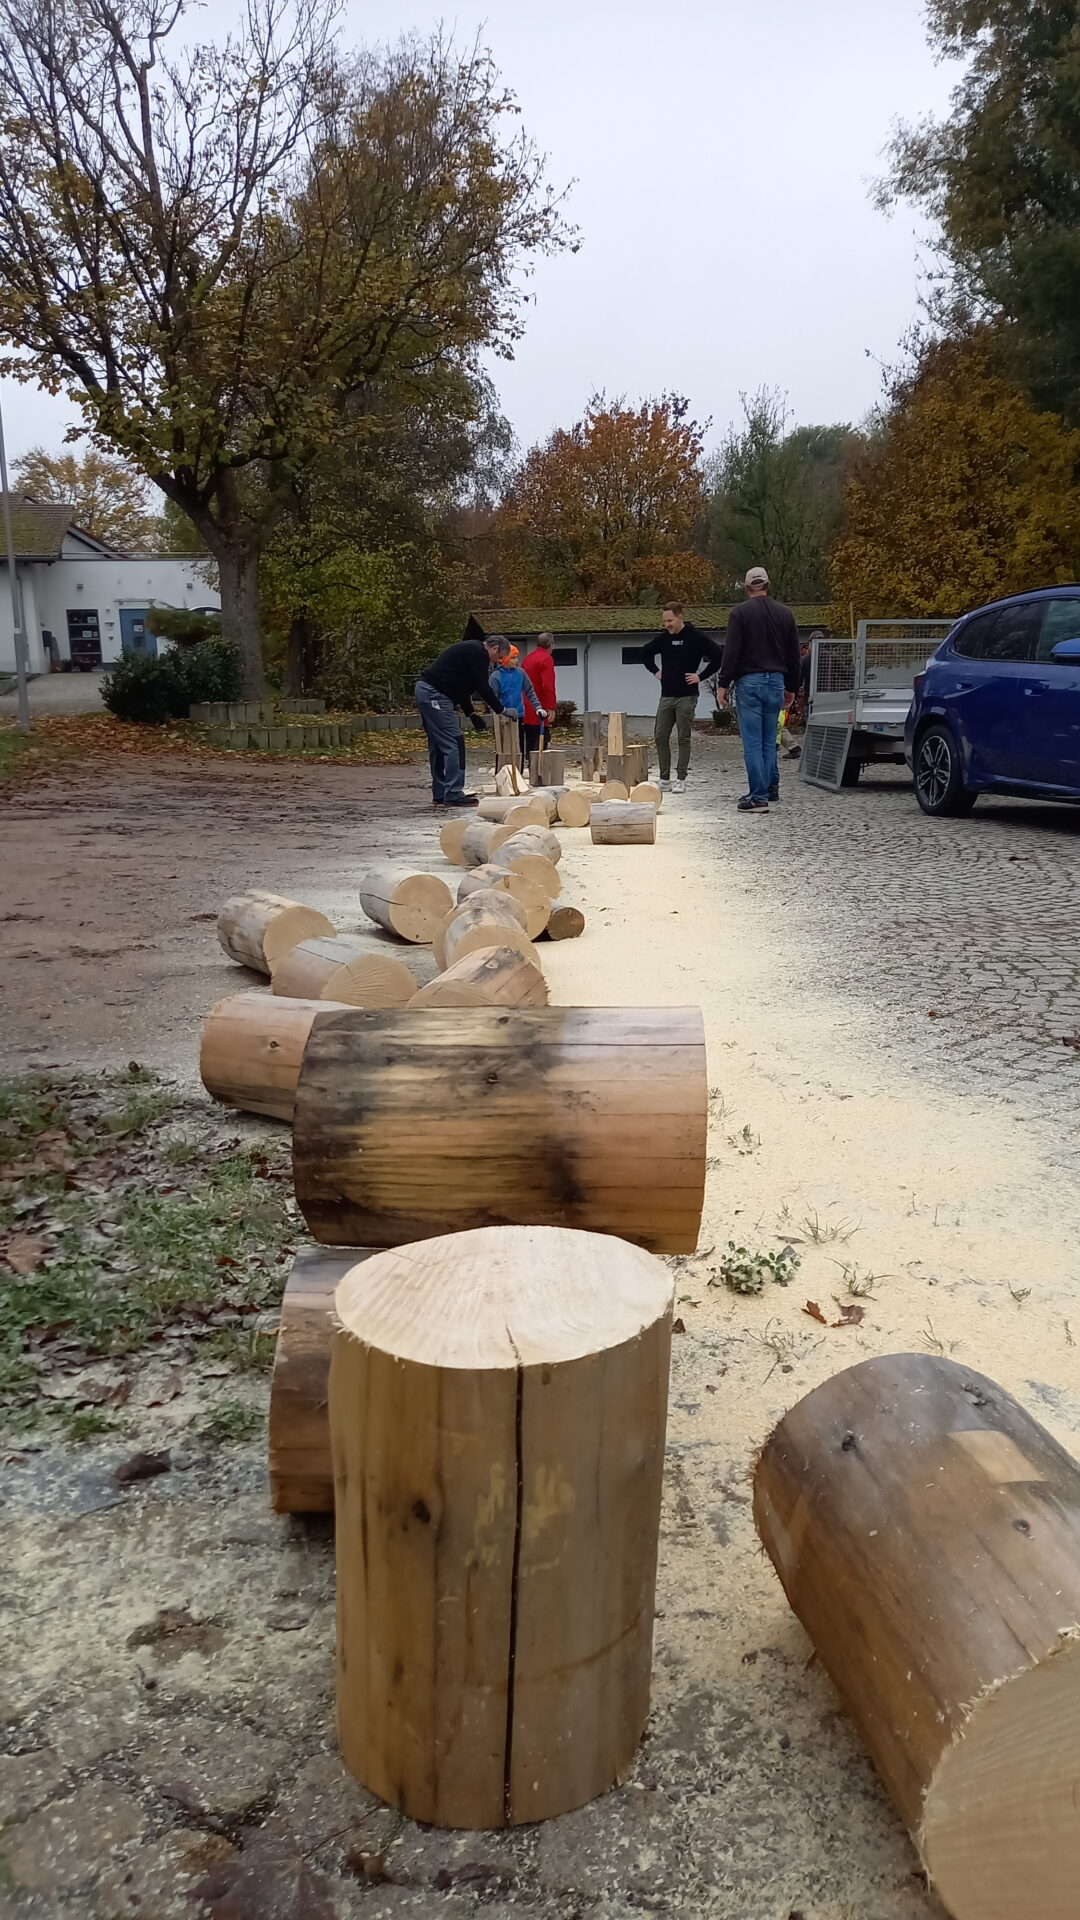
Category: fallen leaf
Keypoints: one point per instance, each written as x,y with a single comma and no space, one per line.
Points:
678,1326
1071,1040
143,1466
851,1313
25,1252
815,1312
269,1880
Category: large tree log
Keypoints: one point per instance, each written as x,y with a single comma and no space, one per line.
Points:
256,928
623,824
564,923
482,839
451,837
251,1049
494,976
412,905
498,1404
534,811
494,906
346,970
588,1117
927,1533
534,867
648,794
301,1466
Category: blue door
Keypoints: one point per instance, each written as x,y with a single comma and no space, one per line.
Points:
994,663
135,637
1051,708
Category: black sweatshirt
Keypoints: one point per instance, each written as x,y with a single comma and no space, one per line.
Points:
761,638
461,673
688,651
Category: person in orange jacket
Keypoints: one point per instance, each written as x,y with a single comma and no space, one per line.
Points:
539,668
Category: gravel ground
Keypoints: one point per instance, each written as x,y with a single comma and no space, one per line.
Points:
168,1646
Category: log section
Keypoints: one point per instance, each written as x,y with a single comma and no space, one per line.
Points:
409,904
592,745
533,899
564,923
256,928
552,767
492,976
536,868
497,1407
346,970
575,807
623,824
927,1533
648,794
482,838
301,1467
451,837
616,790
532,812
251,1049
491,905
589,1117
533,839
616,733
487,920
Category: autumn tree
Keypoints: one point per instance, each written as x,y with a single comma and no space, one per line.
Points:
1000,175
107,498
966,493
220,248
775,494
608,511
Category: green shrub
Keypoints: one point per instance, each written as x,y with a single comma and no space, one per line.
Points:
150,691
564,713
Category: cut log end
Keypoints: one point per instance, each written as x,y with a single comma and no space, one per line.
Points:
493,976
410,905
450,839
257,929
574,808
251,1050
647,794
565,923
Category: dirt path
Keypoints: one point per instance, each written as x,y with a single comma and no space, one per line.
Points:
752,1799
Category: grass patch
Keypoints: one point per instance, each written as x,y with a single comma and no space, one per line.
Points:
24,754
746,1269
131,1221
231,1421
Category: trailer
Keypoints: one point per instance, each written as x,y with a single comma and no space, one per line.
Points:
860,693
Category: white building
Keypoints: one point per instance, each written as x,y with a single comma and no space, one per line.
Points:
597,650
92,600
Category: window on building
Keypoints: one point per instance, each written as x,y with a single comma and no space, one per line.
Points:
631,657
564,656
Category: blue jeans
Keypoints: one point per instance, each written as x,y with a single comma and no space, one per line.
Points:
759,701
446,743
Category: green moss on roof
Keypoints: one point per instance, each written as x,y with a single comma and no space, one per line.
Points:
612,619
37,528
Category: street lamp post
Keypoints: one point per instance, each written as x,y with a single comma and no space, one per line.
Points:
16,597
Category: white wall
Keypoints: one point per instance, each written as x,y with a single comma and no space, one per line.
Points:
97,583
614,687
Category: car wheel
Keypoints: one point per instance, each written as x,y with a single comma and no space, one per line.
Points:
939,786
851,774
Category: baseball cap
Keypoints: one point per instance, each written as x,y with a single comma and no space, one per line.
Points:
756,577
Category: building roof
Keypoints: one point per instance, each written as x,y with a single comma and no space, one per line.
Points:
613,620
37,528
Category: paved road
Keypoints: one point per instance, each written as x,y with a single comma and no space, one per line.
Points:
57,693
963,934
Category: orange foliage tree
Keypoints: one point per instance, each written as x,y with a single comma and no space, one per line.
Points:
965,494
608,512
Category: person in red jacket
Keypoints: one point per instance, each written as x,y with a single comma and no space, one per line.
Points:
540,669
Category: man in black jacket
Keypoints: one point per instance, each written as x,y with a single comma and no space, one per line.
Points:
682,651
761,658
457,678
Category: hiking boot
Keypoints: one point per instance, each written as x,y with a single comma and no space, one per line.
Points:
774,793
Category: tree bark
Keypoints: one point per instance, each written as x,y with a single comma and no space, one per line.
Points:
302,656
238,572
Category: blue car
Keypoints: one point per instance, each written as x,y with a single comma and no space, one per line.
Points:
997,709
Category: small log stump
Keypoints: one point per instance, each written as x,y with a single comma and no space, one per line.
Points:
498,1402
564,923
927,1533
615,790
451,837
648,794
301,1466
575,807
346,970
412,905
257,928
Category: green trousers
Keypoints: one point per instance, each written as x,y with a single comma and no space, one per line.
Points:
675,710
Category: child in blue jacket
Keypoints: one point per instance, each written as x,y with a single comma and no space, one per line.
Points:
513,686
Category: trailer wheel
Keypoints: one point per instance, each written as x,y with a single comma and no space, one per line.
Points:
851,773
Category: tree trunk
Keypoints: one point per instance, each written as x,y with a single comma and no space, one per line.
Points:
302,656
927,1533
238,572
498,1402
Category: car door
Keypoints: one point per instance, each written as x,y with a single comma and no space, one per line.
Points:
992,658
1050,718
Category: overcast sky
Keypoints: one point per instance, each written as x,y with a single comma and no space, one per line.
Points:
721,152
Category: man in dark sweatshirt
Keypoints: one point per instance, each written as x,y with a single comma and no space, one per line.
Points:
761,659
676,658
457,678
